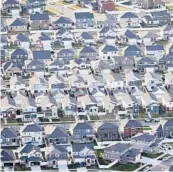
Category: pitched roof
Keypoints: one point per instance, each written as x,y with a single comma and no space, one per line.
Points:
39,16
7,155
32,128
19,51
86,35
154,47
63,20
8,133
18,22
57,133
133,123
83,15
130,34
23,37
42,54
88,49
109,48
119,147
159,129
11,2
45,37
29,147
144,137
107,125
129,15
169,123
132,48
77,147
83,126
159,13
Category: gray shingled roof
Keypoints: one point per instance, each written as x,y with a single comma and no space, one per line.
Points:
119,147
29,147
133,123
32,128
8,133
77,147
7,155
83,126
144,137
57,133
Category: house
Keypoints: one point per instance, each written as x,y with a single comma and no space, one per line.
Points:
171,50
149,4
159,92
169,80
66,53
149,38
131,37
147,142
4,41
19,55
7,158
83,152
88,52
84,19
17,83
150,103
18,25
87,38
159,131
166,63
34,6
2,57
108,52
168,129
56,135
155,51
83,132
32,133
146,64
132,128
58,155
106,5
63,22
157,18
23,41
11,7
167,101
42,55
114,152
152,80
39,21
167,32
129,20
132,50
9,137
30,155
107,132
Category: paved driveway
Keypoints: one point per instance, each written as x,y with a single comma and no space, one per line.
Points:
7,169
82,169
147,160
35,168
62,165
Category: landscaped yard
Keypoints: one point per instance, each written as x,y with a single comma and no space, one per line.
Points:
150,155
103,162
99,152
126,167
19,167
162,42
147,128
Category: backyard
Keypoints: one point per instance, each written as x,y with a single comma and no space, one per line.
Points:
126,167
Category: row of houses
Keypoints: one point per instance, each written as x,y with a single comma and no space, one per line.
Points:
78,147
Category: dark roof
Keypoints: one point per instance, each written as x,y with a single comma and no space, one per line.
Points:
83,126
169,123
8,133
19,51
34,159
3,53
146,59
45,37
10,2
39,16
144,137
42,54
63,20
88,49
154,47
23,37
131,34
57,133
108,125
29,147
32,128
109,48
7,155
132,124
84,15
119,147
86,35
129,15
171,168
77,147
61,31
4,39
132,48
18,22
105,29
159,129
159,13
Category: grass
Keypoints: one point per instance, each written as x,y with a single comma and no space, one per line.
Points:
169,7
150,155
44,157
162,42
44,120
126,167
164,156
99,153
170,143
20,167
147,128
102,161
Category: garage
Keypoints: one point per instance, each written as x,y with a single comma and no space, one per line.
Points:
82,169
62,165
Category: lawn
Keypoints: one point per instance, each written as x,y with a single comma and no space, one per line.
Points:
99,153
170,143
126,167
19,167
162,42
147,128
150,155
169,7
102,161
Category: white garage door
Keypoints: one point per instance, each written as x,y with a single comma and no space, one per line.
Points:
62,165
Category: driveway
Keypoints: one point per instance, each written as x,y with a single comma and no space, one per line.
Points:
7,169
147,160
35,168
82,169
62,165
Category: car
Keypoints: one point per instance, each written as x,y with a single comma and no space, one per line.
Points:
147,168
165,158
155,120
148,120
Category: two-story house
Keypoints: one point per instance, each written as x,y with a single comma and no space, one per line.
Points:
168,129
108,51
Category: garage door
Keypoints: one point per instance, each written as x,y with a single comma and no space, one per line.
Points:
82,169
62,165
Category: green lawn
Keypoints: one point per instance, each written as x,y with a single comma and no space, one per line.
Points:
99,153
19,167
162,42
126,167
147,128
103,162
171,144
170,7
149,155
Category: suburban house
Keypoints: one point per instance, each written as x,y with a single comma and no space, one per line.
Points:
159,132
132,51
88,52
167,32
83,132
106,5
129,19
86,38
131,37
149,38
34,6
19,55
30,155
166,63
84,19
151,4
168,129
39,21
107,132
9,137
23,41
18,25
63,22
169,80
32,133
132,128
56,135
83,152
108,52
